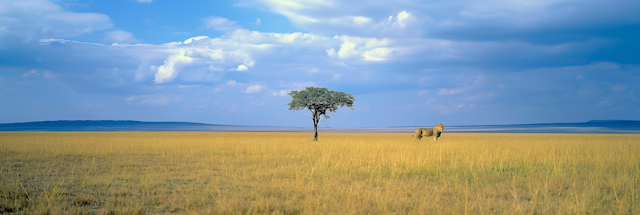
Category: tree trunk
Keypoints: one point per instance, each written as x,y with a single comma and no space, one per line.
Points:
315,128
316,120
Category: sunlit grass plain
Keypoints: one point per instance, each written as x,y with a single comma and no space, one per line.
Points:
343,173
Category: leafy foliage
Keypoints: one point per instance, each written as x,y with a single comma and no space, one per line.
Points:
319,100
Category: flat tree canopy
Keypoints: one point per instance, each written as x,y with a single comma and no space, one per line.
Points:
319,100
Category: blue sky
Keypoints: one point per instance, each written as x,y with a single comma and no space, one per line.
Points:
407,62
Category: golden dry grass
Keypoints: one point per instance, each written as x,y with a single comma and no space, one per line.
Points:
343,173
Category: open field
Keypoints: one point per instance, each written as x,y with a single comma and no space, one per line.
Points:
344,173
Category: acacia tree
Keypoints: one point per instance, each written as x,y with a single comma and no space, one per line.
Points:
319,100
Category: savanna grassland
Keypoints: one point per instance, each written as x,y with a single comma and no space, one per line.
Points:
343,173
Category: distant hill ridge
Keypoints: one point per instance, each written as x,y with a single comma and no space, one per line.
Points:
587,123
105,125
101,122
592,126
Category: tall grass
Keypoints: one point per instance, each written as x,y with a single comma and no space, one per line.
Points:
346,173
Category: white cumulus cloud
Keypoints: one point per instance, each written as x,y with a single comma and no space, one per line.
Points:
401,19
450,92
170,69
242,67
120,37
281,93
33,72
368,49
194,39
48,74
36,19
220,23
154,99
353,18
255,88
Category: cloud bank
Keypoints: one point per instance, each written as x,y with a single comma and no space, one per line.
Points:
407,63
